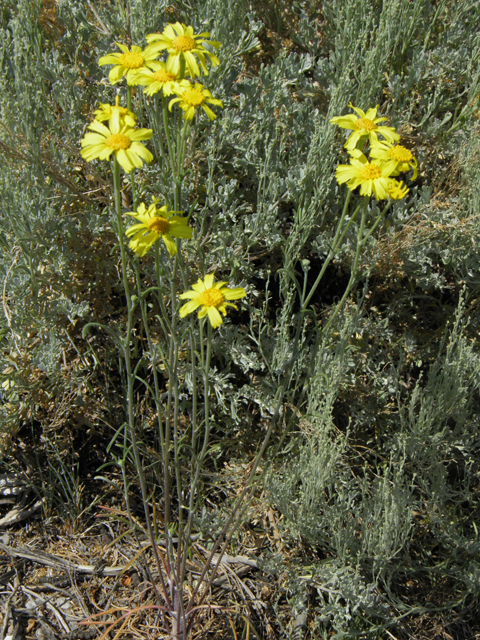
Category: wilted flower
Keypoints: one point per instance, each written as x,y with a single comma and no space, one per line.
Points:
106,110
397,190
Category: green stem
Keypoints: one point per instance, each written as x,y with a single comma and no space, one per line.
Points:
377,221
171,152
353,274
335,244
132,173
128,365
178,176
182,66
158,130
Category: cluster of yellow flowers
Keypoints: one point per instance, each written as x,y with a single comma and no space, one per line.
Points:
113,132
387,159
140,67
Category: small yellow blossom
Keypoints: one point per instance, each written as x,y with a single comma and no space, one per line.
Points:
155,223
399,157
105,111
371,177
397,190
181,42
210,299
366,126
194,97
119,139
157,78
128,63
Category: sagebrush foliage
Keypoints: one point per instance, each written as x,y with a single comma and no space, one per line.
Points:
379,476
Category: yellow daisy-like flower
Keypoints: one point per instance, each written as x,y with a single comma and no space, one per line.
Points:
106,110
155,223
366,126
181,42
128,63
157,78
397,190
399,157
371,177
194,97
119,139
210,299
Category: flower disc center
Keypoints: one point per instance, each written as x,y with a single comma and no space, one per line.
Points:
194,97
132,60
163,76
400,154
211,297
158,224
365,123
371,172
118,141
184,43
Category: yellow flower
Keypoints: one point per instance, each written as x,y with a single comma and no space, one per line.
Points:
119,139
181,42
128,63
397,190
157,78
155,224
210,299
193,98
398,156
364,127
371,177
105,111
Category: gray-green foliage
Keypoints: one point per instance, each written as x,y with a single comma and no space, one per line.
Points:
375,441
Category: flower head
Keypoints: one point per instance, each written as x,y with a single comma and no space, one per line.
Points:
157,78
155,223
371,177
190,99
181,43
210,299
365,126
119,139
106,110
397,190
128,63
400,158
